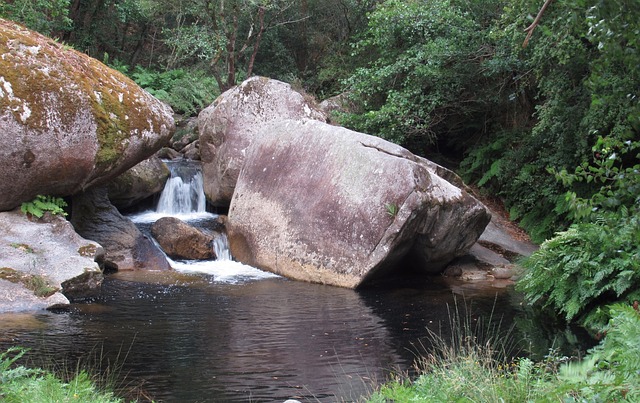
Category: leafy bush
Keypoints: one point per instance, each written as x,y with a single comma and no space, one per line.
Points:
425,78
611,370
187,92
597,260
44,16
581,82
579,271
41,204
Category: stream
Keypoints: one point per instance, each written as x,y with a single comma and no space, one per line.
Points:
221,331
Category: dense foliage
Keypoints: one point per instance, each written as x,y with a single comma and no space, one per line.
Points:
45,16
428,75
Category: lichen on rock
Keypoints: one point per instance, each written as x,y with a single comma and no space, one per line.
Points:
67,121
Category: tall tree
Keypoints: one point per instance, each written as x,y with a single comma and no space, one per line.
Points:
223,34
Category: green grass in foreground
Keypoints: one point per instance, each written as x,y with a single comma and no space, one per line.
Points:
471,373
19,384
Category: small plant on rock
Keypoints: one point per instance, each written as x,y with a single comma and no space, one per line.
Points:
41,204
392,209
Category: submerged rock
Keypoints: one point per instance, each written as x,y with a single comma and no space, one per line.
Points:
230,125
44,263
67,121
180,240
324,204
126,248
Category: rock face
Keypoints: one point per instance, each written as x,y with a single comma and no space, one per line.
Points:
138,183
67,121
44,263
229,126
324,204
182,241
126,248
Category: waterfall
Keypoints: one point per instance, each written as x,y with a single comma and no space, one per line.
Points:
221,247
183,197
184,191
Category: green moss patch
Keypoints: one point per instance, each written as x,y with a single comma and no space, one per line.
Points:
87,250
23,247
37,73
38,284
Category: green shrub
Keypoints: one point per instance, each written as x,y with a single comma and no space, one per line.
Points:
609,373
41,204
579,271
611,370
424,77
44,16
597,260
187,92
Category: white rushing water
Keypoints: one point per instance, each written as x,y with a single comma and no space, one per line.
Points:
183,197
183,192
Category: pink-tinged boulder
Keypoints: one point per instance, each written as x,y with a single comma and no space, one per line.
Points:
230,125
67,121
324,204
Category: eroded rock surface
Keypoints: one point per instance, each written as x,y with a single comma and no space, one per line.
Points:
67,121
230,125
44,263
324,204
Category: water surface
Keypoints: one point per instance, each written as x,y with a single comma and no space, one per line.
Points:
188,338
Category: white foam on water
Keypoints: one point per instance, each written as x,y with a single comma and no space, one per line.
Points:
151,216
223,271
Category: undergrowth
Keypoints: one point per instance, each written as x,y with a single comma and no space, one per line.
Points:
468,371
20,384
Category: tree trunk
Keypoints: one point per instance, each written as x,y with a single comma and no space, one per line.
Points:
231,53
256,45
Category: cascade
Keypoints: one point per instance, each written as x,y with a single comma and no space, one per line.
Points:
183,197
183,192
221,247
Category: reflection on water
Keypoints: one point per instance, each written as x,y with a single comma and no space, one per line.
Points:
191,339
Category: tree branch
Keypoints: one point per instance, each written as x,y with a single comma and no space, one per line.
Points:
529,30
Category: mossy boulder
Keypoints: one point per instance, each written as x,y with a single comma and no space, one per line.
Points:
67,121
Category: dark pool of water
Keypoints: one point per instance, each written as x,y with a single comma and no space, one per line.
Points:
185,339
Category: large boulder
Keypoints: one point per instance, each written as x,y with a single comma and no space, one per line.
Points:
229,126
44,263
67,121
180,240
138,183
126,248
324,204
